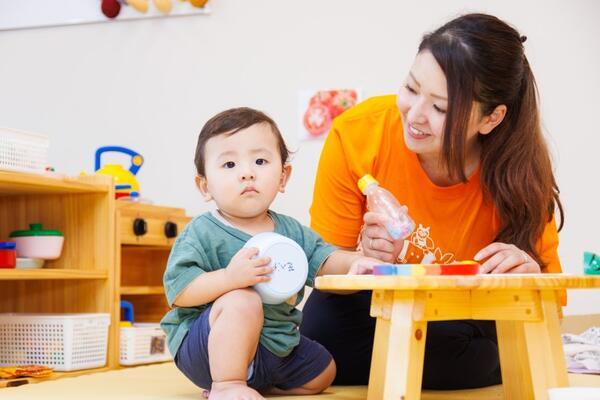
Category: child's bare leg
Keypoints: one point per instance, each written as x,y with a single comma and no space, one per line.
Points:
317,385
236,319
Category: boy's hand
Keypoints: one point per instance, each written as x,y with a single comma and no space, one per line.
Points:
363,266
244,270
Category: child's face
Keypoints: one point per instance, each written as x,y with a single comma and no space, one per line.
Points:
243,171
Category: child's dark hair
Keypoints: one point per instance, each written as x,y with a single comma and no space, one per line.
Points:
230,122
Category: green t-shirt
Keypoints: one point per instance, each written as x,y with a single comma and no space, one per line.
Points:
207,244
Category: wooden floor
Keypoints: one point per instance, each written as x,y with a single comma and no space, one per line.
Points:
164,381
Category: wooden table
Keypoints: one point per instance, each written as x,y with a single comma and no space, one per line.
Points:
524,306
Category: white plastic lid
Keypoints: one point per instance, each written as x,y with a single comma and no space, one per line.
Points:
290,266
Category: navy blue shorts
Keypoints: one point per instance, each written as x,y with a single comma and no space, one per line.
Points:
307,361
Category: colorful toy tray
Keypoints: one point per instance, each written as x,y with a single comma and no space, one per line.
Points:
459,268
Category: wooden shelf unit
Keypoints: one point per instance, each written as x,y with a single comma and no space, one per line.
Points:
55,273
82,279
141,260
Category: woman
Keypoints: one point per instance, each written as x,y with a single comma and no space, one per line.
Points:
461,146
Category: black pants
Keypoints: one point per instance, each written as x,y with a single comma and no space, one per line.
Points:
458,354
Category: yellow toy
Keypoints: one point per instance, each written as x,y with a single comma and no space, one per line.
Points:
125,182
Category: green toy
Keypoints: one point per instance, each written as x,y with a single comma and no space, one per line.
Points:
591,263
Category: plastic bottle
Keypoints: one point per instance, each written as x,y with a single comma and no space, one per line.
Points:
381,201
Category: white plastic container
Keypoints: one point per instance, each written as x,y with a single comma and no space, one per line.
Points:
65,342
38,243
44,247
23,151
290,266
143,343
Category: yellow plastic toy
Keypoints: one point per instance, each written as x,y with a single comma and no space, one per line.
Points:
125,182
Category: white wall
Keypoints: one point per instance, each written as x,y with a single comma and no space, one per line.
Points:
151,84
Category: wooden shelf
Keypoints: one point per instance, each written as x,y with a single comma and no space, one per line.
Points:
51,273
141,290
20,183
82,280
56,375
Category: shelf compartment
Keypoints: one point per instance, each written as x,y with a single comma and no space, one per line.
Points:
143,265
84,219
149,308
55,296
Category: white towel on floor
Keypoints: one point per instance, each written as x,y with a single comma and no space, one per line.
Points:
582,352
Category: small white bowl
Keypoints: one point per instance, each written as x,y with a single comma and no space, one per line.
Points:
290,266
44,247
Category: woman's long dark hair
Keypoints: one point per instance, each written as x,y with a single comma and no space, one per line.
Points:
484,61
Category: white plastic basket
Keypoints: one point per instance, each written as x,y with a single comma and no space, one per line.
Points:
143,343
65,342
23,151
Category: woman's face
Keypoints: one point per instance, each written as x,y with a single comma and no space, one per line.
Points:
423,101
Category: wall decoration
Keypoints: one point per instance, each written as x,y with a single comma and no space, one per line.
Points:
318,108
24,14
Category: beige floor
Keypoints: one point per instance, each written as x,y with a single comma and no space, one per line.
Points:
164,381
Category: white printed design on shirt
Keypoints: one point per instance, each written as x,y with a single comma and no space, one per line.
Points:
420,248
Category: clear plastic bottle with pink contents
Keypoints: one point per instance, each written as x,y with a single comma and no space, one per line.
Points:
381,201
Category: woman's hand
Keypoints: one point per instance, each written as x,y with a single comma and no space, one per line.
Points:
506,258
376,242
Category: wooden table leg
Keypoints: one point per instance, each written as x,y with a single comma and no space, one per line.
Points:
399,347
531,353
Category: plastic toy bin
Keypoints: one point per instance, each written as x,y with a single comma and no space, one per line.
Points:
143,343
23,151
65,342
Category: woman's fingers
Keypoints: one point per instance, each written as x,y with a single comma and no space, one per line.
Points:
376,232
508,260
380,255
382,245
492,249
505,258
491,263
527,268
373,218
377,247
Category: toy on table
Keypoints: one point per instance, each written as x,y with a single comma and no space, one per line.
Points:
289,263
591,263
458,268
126,185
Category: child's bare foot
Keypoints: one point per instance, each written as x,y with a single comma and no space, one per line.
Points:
233,390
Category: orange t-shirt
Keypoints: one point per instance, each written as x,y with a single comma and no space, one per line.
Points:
452,223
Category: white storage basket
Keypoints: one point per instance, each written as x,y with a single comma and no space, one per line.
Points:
65,342
23,151
143,343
